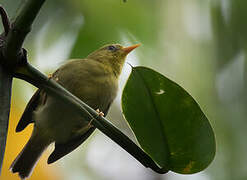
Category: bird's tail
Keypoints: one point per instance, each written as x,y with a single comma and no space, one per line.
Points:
26,160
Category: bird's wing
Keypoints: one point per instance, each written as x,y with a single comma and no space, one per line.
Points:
38,98
63,149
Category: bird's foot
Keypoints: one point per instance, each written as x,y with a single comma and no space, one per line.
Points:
49,76
100,113
89,125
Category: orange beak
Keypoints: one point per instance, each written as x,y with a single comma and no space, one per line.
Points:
130,48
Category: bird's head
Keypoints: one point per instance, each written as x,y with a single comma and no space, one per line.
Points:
113,56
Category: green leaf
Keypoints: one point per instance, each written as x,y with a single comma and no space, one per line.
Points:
167,122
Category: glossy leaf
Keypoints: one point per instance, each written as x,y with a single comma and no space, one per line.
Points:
167,122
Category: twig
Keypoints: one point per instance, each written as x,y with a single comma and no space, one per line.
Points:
5,20
18,31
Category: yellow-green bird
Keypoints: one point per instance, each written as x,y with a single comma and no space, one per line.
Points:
95,81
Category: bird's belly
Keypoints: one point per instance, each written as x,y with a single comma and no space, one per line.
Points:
58,122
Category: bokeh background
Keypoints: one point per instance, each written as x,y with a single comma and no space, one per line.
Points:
200,44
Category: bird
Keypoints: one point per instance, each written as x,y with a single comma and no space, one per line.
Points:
94,80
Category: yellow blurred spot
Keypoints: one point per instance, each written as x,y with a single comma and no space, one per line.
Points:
188,168
15,143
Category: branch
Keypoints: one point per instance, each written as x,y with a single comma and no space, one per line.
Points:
33,76
5,96
19,30
5,90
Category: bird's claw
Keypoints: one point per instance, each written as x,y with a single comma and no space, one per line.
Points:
49,76
89,125
100,113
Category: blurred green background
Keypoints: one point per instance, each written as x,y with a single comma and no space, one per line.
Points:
200,44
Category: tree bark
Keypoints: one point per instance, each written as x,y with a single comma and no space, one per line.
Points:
5,97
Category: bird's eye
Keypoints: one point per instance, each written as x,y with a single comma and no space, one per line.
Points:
112,48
